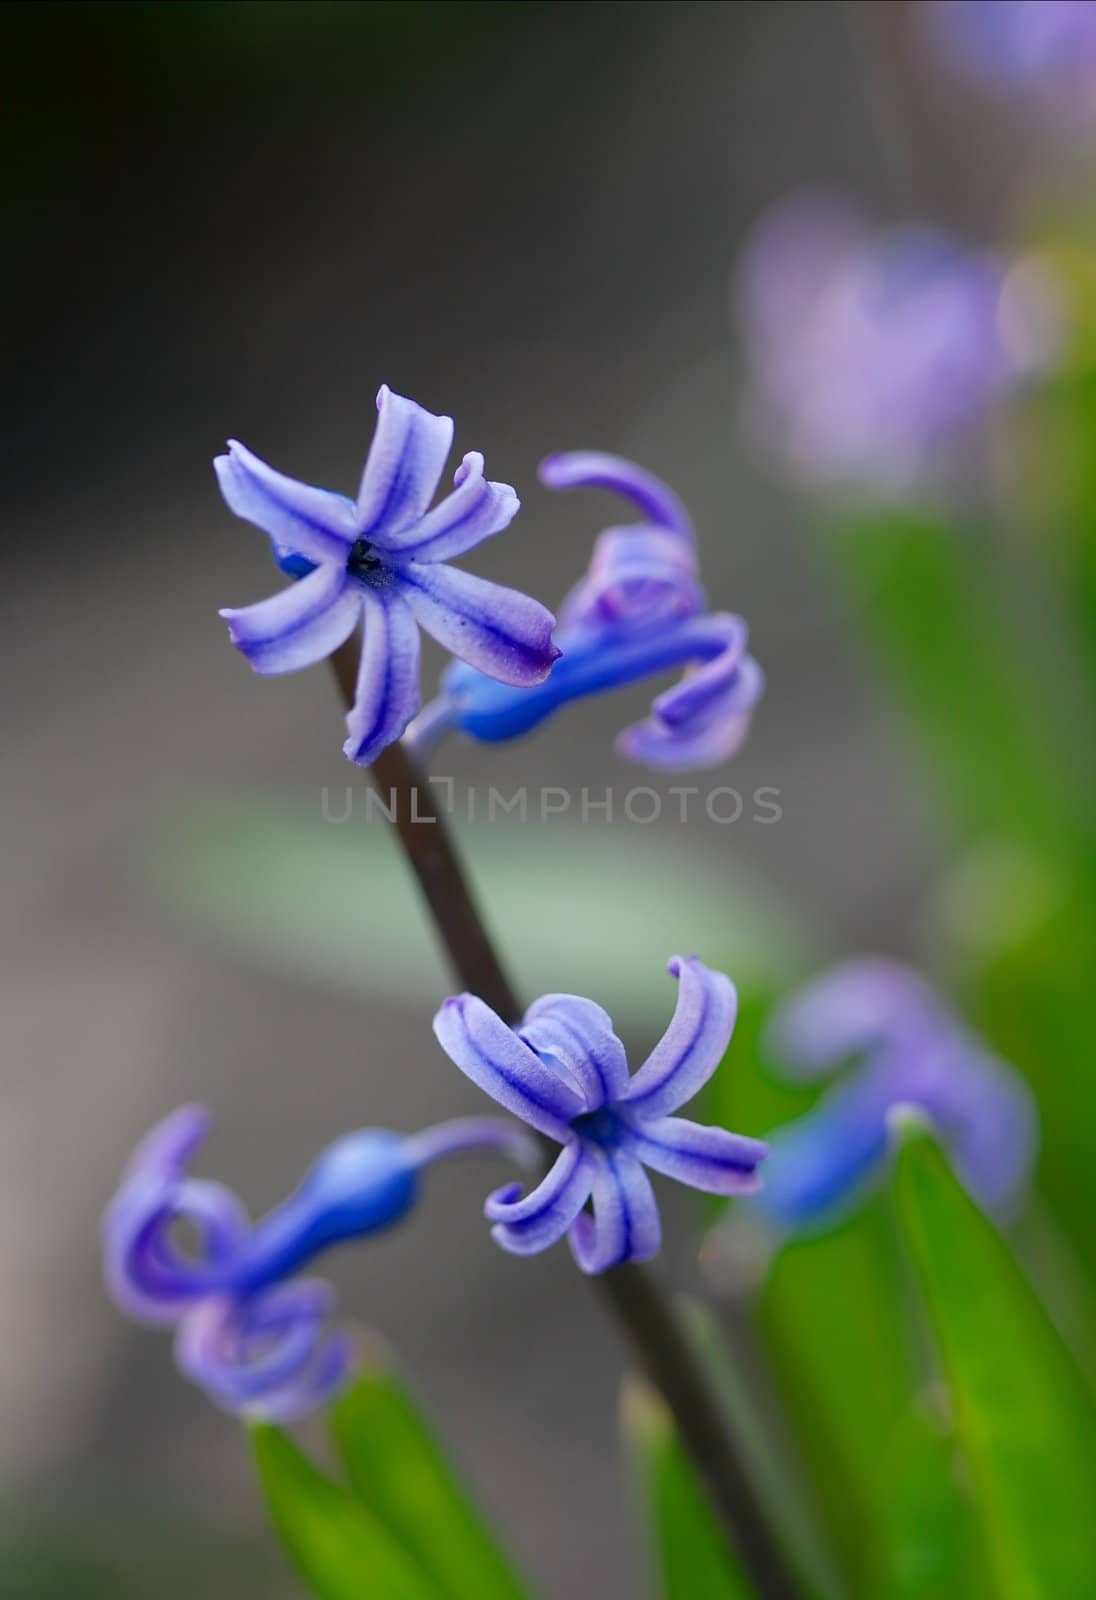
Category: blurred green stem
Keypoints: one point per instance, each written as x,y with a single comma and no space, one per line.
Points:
647,1313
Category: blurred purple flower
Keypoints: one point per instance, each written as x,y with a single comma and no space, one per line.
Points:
875,355
381,560
638,612
249,1332
1020,45
564,1072
912,1051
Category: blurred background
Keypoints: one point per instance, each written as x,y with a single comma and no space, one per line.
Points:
239,219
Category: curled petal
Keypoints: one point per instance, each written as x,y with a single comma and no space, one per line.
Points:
850,1009
527,1224
476,509
705,1158
268,1357
637,575
148,1273
706,686
387,692
625,1225
595,469
403,469
579,1034
501,632
503,1066
708,737
299,626
693,1045
313,523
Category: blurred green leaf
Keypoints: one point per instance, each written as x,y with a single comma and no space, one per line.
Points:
1024,1418
830,1312
833,1321
336,903
399,1472
925,593
924,1539
738,1364
692,1557
1019,945
341,1550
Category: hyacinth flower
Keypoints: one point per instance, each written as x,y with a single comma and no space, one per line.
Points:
564,1072
639,612
249,1331
911,1051
1033,47
382,561
876,355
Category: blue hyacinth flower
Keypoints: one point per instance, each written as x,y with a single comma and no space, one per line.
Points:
380,561
564,1072
639,612
249,1331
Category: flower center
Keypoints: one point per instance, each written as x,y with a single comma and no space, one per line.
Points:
601,1127
361,562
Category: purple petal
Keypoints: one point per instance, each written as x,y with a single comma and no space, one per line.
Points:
708,738
146,1272
705,1158
849,1009
693,1045
495,1059
312,522
299,626
268,1357
525,1225
387,692
165,1153
625,1225
502,632
476,509
579,1034
401,476
708,685
636,575
594,469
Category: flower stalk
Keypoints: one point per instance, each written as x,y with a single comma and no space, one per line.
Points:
639,1302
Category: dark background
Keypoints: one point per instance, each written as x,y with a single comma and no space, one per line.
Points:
241,219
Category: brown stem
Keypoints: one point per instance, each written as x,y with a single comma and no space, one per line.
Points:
647,1313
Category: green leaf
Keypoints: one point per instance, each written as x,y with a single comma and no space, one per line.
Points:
400,1473
823,1344
693,1560
833,1320
925,593
1019,940
340,1549
924,1543
1024,1418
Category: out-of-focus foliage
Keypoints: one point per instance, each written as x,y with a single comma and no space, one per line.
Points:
1024,1418
691,1557
308,896
403,1528
396,1468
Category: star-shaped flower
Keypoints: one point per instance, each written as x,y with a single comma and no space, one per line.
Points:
381,560
563,1071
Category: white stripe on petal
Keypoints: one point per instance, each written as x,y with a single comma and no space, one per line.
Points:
298,626
693,1045
387,693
